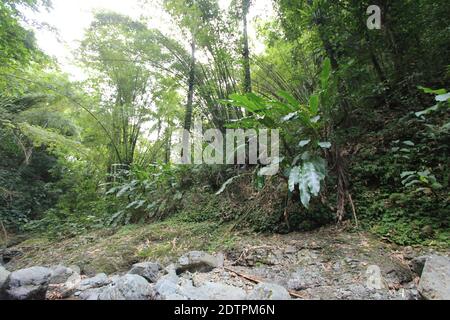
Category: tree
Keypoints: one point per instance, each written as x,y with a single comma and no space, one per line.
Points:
121,54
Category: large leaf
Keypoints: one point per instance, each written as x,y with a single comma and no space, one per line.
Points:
326,73
294,178
310,182
290,99
314,104
309,178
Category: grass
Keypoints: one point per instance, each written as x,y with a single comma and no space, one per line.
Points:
112,251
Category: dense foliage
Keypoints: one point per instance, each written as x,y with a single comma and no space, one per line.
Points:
363,117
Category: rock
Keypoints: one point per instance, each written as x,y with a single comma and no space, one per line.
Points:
166,287
60,274
27,284
87,270
147,270
306,257
91,294
375,280
98,281
290,250
211,291
197,261
408,253
397,275
6,255
171,268
305,279
75,268
269,291
360,292
417,264
175,297
66,289
435,281
3,276
128,287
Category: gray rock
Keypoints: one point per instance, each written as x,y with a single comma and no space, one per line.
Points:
398,275
375,280
3,276
65,289
197,261
305,279
435,281
361,292
6,255
211,291
128,287
27,284
60,274
147,270
167,285
98,281
175,297
75,268
417,264
269,291
91,294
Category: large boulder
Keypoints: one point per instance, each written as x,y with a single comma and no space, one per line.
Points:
435,281
375,279
197,261
148,270
60,274
27,284
128,287
269,291
4,274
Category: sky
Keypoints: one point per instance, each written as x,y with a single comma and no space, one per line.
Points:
72,17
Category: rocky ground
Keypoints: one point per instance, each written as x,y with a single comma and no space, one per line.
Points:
325,264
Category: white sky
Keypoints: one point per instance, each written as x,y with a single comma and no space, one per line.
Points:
72,17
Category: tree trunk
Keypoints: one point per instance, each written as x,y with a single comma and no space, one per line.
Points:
189,107
191,85
246,51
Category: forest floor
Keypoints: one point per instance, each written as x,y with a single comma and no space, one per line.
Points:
328,263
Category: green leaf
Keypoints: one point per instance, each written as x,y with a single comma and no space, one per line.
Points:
304,143
443,97
294,178
290,116
326,73
407,173
427,111
409,143
314,104
311,177
289,98
325,145
432,91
